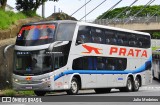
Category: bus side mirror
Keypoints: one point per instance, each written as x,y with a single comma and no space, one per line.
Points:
6,49
79,42
53,44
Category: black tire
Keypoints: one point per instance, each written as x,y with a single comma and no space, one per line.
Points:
153,75
40,93
103,90
129,86
74,87
136,84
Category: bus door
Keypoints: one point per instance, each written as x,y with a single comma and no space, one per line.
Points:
102,77
91,76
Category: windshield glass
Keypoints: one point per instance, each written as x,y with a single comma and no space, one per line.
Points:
65,32
32,35
32,63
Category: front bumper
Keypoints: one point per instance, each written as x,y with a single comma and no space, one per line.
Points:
40,86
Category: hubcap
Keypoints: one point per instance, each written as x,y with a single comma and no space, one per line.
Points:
136,83
74,86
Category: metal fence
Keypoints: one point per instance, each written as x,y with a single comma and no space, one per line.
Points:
155,19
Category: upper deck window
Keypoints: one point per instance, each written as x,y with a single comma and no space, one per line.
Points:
65,32
32,35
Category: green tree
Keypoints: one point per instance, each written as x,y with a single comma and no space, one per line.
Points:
29,6
3,4
156,35
148,11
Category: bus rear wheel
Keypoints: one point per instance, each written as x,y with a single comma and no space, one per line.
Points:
74,87
40,93
129,86
103,90
136,84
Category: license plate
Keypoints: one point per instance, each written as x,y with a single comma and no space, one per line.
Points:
29,87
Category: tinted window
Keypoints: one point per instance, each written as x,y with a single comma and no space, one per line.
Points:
83,63
60,55
112,37
97,35
32,35
83,35
99,63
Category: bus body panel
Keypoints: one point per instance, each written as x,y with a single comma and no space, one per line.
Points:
60,79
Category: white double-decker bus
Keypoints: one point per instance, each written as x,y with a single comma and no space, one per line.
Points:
70,55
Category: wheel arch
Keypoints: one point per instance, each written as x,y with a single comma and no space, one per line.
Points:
131,76
140,78
78,77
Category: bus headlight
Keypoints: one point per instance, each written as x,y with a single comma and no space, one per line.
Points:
47,79
15,80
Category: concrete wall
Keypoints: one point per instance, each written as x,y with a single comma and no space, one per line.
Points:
14,29
6,65
139,26
155,43
8,37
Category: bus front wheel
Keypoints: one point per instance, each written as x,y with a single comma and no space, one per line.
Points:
40,93
74,87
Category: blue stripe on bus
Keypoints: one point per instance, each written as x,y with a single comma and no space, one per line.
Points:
140,69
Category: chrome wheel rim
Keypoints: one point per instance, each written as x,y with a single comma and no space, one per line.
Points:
74,87
129,85
137,84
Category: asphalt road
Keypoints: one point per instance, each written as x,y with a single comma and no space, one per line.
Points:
61,98
148,90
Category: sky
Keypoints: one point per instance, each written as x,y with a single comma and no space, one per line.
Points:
70,6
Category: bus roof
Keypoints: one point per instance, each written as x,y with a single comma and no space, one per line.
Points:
53,21
88,24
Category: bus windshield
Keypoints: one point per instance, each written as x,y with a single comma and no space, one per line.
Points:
65,32
32,35
32,63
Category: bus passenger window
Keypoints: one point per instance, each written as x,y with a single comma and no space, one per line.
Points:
83,35
82,63
97,35
100,64
109,64
82,39
120,42
107,41
113,41
97,39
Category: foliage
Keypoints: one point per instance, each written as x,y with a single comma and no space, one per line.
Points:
156,35
8,18
60,16
25,93
29,6
155,48
131,11
9,92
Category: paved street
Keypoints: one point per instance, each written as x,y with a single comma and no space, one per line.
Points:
61,98
149,90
